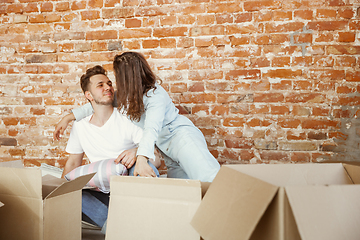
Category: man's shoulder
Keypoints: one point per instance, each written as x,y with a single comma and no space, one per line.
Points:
82,122
122,119
118,114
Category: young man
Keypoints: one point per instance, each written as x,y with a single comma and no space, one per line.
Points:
106,134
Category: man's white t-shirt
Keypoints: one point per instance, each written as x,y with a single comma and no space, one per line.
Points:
105,142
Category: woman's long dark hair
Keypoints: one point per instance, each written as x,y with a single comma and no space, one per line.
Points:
134,78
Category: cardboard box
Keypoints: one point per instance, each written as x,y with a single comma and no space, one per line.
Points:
282,201
152,208
39,210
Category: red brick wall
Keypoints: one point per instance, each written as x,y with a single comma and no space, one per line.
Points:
265,81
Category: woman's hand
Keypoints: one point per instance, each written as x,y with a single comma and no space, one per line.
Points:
62,125
127,158
142,168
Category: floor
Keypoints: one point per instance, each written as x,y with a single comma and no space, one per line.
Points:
92,234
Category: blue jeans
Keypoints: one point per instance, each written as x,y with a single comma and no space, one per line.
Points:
95,204
95,207
186,154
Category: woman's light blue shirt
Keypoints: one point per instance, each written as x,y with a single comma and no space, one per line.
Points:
160,116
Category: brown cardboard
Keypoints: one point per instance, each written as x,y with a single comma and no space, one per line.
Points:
152,208
326,212
251,188
14,164
39,211
261,202
353,172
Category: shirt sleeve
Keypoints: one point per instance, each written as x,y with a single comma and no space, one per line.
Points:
153,123
73,145
83,111
136,134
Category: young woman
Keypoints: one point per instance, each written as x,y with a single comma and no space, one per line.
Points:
148,105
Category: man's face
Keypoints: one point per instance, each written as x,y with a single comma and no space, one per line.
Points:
101,90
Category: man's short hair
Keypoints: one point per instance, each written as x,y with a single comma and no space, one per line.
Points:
85,78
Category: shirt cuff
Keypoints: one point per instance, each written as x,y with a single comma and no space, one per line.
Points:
145,153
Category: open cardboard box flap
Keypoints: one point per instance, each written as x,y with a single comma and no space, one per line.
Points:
228,198
235,205
23,182
354,172
28,182
66,187
326,212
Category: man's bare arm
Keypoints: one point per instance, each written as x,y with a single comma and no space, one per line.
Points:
73,162
62,125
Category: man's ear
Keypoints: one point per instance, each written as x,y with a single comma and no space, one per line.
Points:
89,96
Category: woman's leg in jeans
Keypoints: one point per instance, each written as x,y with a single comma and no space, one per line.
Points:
174,170
187,147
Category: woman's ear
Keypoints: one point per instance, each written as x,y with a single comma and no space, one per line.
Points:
89,96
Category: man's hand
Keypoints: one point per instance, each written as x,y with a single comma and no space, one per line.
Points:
142,168
127,158
62,125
